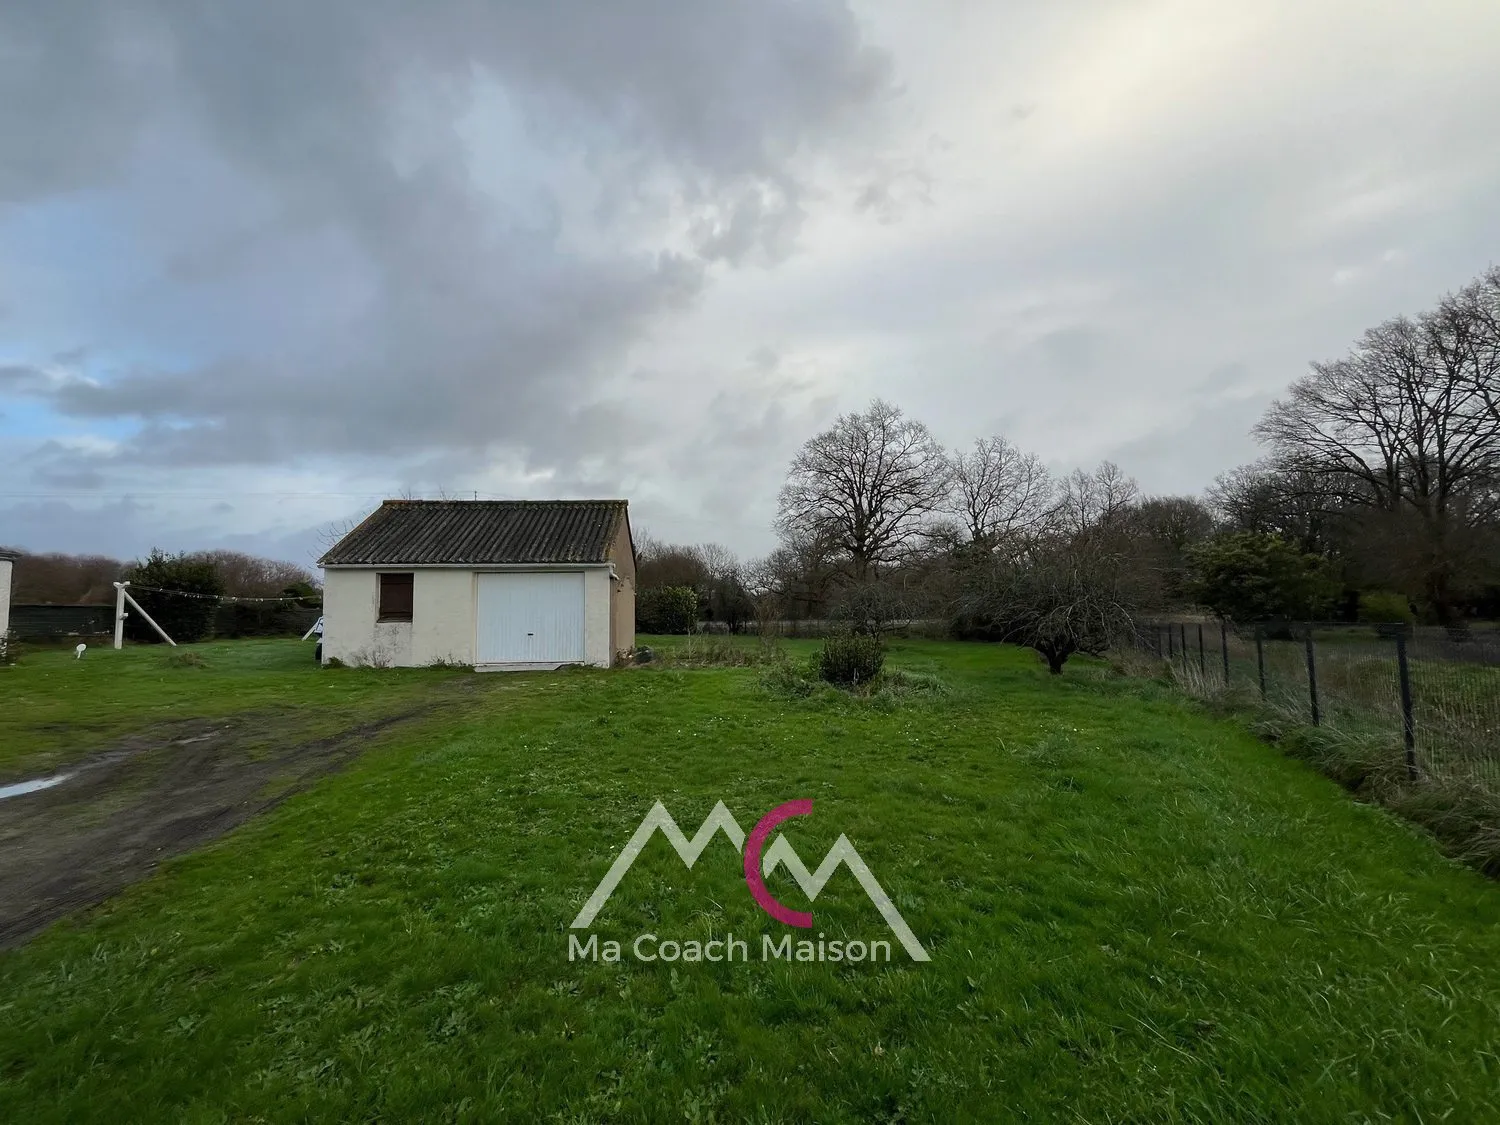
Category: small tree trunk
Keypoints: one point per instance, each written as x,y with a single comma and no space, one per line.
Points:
1438,596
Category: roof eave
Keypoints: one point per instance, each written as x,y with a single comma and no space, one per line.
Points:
465,565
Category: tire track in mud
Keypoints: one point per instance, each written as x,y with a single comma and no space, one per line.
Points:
148,798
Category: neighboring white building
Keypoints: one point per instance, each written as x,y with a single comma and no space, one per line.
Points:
5,572
497,584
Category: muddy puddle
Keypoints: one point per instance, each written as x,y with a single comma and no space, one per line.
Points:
21,788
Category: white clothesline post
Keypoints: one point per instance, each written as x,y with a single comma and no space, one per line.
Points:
120,614
121,597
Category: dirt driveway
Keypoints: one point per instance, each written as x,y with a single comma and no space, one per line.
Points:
123,810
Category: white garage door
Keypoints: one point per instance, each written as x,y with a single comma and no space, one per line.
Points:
530,617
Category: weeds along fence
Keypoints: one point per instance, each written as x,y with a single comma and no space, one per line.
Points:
1431,694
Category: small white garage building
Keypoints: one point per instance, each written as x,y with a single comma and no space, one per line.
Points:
497,584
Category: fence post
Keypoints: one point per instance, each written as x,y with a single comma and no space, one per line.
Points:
1202,661
1170,652
1224,647
1260,660
1312,676
1408,725
1182,641
120,614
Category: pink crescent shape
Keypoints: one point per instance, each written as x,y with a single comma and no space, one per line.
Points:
764,899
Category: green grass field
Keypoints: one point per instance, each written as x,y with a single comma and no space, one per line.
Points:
57,709
1135,912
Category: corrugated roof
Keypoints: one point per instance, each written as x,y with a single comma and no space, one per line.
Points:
481,532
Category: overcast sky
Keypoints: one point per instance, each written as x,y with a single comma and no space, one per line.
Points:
264,264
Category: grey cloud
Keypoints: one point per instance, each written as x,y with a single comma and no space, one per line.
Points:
72,479
895,189
466,328
77,83
56,466
114,528
19,377
1071,351
763,358
1188,449
349,254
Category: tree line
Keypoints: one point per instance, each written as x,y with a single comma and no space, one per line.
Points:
203,581
1378,497
60,579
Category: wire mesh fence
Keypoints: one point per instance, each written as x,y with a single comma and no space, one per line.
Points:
1431,694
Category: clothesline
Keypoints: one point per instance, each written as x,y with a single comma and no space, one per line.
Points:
219,597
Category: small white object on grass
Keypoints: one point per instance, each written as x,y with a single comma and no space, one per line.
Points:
79,651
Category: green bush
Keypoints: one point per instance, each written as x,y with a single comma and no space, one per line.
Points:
187,614
666,610
786,680
852,660
899,683
1246,576
1385,606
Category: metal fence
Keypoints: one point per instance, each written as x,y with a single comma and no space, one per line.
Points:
57,622
43,623
1433,694
818,628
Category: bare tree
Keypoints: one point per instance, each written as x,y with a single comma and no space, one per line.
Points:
866,485
1174,521
999,492
82,579
1092,501
875,607
1069,595
331,532
763,587
800,574
249,576
660,564
724,591
1270,498
57,579
719,561
1465,328
1400,429
1160,530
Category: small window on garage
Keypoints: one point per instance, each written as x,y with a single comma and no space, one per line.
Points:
395,597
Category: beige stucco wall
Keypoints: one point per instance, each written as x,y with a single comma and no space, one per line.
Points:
622,595
596,624
442,624
350,633
442,615
5,572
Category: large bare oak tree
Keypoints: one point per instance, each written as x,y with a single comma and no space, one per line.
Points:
1402,429
1000,493
865,485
